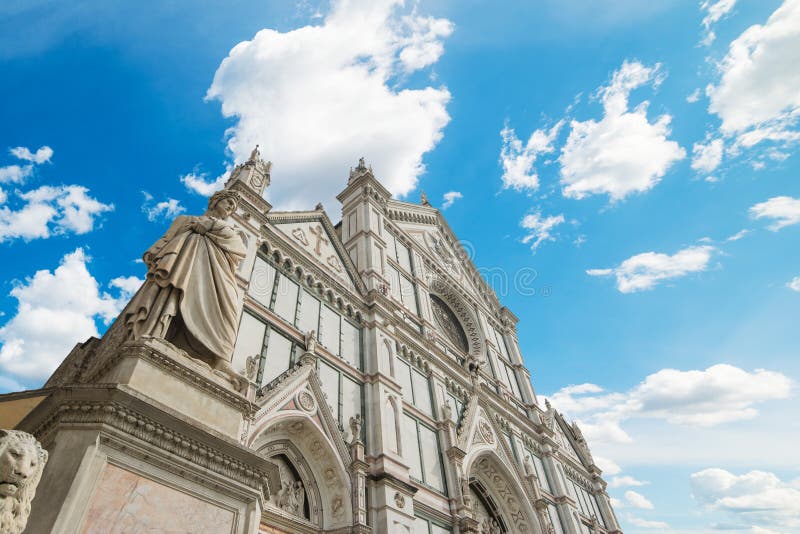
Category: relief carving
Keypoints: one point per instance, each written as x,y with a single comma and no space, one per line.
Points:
22,460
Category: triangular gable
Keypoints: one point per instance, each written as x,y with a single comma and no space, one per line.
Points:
479,432
564,437
314,234
429,229
299,391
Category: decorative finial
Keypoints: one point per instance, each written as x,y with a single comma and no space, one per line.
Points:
423,198
255,155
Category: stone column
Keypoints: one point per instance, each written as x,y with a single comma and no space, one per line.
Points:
358,475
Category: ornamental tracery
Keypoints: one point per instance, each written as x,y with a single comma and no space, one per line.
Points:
448,323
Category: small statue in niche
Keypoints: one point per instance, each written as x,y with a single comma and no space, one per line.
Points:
447,411
310,340
530,470
22,460
251,367
355,427
189,297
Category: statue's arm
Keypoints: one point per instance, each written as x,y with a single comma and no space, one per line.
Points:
178,225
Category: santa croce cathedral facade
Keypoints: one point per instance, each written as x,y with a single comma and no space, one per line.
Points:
279,373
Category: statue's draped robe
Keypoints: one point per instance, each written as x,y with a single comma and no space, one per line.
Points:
190,295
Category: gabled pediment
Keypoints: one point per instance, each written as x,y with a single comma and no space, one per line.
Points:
313,233
565,436
480,432
298,392
427,227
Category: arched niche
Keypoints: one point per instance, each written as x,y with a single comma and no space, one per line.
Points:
317,464
456,308
498,495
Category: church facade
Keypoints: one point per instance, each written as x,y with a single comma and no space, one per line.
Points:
382,390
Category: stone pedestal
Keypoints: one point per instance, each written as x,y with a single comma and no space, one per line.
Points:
151,444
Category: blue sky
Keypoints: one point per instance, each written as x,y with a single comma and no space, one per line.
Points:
640,175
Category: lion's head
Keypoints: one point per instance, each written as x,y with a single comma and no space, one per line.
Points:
22,459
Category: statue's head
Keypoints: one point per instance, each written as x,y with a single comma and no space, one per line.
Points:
223,203
22,460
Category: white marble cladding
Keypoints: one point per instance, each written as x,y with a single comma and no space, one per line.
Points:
376,411
431,428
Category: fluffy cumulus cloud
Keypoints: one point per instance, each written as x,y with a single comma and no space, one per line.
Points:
706,157
166,209
449,198
782,211
318,97
714,11
50,210
624,152
756,499
646,270
42,155
518,159
198,182
756,96
699,398
19,173
637,500
55,310
539,229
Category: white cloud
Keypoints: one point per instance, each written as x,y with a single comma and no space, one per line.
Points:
757,498
609,467
318,97
540,228
128,286
645,523
450,197
644,271
623,481
51,210
518,159
715,10
738,235
15,173
19,173
707,157
624,152
694,96
756,97
794,284
697,398
200,184
785,211
166,209
55,310
42,155
637,500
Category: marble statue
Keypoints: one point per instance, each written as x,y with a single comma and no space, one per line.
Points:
447,411
22,460
310,340
530,470
355,427
251,367
255,155
189,297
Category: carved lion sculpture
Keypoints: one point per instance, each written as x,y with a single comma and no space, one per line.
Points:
22,460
